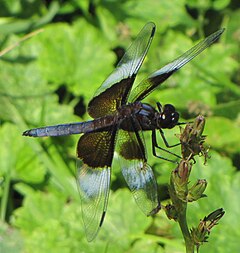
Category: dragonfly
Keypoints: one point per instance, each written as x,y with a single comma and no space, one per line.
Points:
119,120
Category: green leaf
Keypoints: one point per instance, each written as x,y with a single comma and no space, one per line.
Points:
222,191
223,134
203,5
11,239
124,224
31,17
158,12
220,4
74,56
38,207
14,155
49,223
143,245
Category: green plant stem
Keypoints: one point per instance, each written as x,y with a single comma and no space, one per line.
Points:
179,201
182,220
4,199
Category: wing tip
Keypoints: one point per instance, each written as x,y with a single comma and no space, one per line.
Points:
222,30
153,28
219,32
91,236
214,36
102,218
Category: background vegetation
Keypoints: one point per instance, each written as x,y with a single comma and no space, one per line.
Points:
50,78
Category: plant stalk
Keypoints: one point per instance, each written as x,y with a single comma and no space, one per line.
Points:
182,220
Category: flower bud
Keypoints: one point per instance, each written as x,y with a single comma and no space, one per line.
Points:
196,191
192,140
201,233
179,180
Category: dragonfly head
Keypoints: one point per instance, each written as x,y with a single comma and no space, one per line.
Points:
168,117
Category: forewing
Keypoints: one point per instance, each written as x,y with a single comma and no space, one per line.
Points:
137,173
96,152
154,80
115,89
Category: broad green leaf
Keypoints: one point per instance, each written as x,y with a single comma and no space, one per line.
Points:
28,17
158,12
203,5
11,239
223,134
221,4
122,223
125,223
47,223
74,56
15,157
37,208
142,246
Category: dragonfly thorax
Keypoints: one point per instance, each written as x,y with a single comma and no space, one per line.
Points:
168,117
142,116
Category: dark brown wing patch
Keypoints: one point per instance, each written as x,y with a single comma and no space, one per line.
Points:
111,99
97,149
129,147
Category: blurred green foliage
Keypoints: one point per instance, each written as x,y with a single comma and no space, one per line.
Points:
50,78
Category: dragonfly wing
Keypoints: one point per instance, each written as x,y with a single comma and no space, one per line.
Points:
94,184
145,87
137,173
115,89
93,177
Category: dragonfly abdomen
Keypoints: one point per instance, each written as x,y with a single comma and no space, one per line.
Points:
72,128
57,130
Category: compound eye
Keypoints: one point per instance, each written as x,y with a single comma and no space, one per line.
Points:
175,118
168,108
169,117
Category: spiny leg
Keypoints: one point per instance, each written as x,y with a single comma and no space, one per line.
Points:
165,140
155,145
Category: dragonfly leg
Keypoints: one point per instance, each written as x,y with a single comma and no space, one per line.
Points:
155,145
159,106
165,140
140,142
